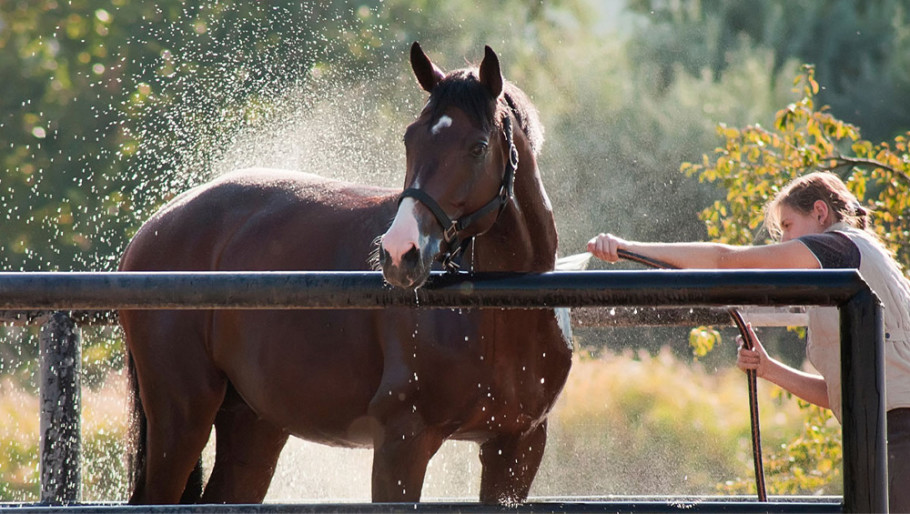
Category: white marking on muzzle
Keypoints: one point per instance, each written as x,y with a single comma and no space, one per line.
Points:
443,122
404,233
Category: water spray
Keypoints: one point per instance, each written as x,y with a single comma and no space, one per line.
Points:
576,262
579,262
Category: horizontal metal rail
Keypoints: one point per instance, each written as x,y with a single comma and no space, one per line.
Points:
865,483
367,290
653,505
588,317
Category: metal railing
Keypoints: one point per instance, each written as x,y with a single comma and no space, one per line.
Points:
865,477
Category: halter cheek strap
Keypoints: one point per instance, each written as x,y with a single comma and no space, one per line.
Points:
452,228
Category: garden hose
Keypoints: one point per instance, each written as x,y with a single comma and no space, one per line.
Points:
750,374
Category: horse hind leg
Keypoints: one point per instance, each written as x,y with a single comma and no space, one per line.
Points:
510,463
175,442
246,453
191,492
180,392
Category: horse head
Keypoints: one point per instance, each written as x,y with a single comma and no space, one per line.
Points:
461,162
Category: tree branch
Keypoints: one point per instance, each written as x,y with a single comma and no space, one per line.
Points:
856,161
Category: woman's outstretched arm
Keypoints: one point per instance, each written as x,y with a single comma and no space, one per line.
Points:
788,255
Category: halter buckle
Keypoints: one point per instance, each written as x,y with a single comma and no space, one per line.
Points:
450,233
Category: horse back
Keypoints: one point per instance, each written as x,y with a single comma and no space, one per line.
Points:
264,220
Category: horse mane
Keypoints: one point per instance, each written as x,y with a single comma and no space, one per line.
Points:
462,89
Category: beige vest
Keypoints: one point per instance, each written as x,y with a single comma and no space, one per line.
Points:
893,289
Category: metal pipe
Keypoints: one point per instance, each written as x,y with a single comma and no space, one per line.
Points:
366,290
61,411
591,317
862,397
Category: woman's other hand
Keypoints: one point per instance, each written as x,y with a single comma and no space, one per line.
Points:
755,359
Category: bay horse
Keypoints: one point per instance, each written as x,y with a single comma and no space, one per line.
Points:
399,380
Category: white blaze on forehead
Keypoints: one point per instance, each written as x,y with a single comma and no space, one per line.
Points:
443,122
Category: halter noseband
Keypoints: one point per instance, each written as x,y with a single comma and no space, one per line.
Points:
451,228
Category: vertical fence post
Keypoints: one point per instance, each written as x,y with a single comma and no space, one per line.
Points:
61,399
863,397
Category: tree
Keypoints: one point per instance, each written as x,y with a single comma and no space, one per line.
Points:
859,48
754,163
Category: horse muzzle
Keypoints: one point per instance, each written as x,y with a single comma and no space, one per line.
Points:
408,249
410,270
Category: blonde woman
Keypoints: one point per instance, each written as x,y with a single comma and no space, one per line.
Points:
819,224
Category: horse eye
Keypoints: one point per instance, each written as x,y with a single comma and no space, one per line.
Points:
479,149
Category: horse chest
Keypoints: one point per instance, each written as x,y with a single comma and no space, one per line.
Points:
505,375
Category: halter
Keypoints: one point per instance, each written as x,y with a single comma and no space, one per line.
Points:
455,246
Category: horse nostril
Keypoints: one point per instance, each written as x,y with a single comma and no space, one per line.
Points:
384,256
411,257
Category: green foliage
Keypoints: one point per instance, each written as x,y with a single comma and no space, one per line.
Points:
702,340
811,463
808,464
111,109
105,99
754,163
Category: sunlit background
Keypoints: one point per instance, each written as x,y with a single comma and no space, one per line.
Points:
110,108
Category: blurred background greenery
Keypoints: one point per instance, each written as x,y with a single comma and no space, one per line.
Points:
109,109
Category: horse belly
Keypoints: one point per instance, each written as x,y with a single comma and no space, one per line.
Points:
312,373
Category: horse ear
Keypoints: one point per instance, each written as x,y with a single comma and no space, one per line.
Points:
490,75
428,75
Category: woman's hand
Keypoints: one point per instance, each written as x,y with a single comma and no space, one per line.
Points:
606,246
755,359
808,386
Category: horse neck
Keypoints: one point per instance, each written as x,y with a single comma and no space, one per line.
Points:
524,237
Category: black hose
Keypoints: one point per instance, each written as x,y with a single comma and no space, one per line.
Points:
750,375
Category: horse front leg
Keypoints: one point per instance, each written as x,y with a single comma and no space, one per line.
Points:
402,450
510,463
